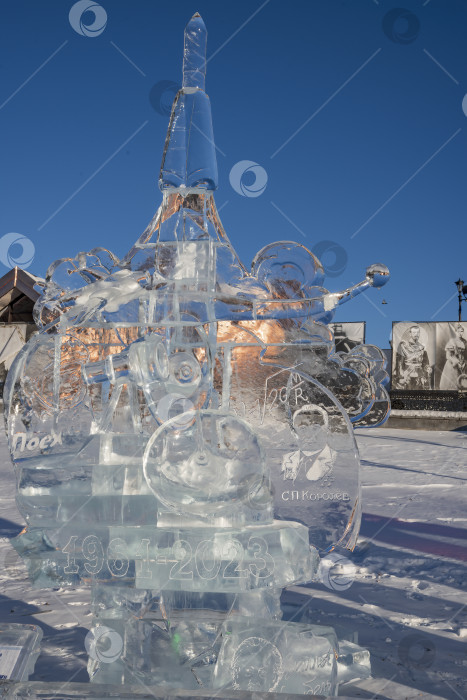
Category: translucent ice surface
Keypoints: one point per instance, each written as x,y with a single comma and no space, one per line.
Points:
275,656
19,649
182,433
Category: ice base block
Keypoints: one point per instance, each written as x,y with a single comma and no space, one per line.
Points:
19,649
37,690
274,655
188,558
202,649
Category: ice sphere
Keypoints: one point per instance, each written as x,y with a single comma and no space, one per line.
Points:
377,274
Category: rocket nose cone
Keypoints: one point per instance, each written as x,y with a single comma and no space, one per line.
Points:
194,54
197,21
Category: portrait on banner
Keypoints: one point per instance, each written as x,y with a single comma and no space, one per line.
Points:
348,336
451,357
413,356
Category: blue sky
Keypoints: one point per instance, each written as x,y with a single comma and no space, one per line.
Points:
353,108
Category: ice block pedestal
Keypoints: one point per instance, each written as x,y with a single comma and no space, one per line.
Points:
19,649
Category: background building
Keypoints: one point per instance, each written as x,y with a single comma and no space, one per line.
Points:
17,298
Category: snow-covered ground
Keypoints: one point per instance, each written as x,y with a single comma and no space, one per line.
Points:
408,599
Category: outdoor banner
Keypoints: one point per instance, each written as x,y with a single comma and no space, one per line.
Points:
429,356
348,335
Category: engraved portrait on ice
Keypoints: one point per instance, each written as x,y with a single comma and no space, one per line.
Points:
314,465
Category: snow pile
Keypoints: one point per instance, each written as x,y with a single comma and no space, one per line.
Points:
441,415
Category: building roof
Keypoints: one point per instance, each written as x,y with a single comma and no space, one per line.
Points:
17,295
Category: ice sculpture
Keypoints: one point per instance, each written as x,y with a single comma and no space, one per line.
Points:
182,433
19,649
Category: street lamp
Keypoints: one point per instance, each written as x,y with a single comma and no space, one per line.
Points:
462,289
